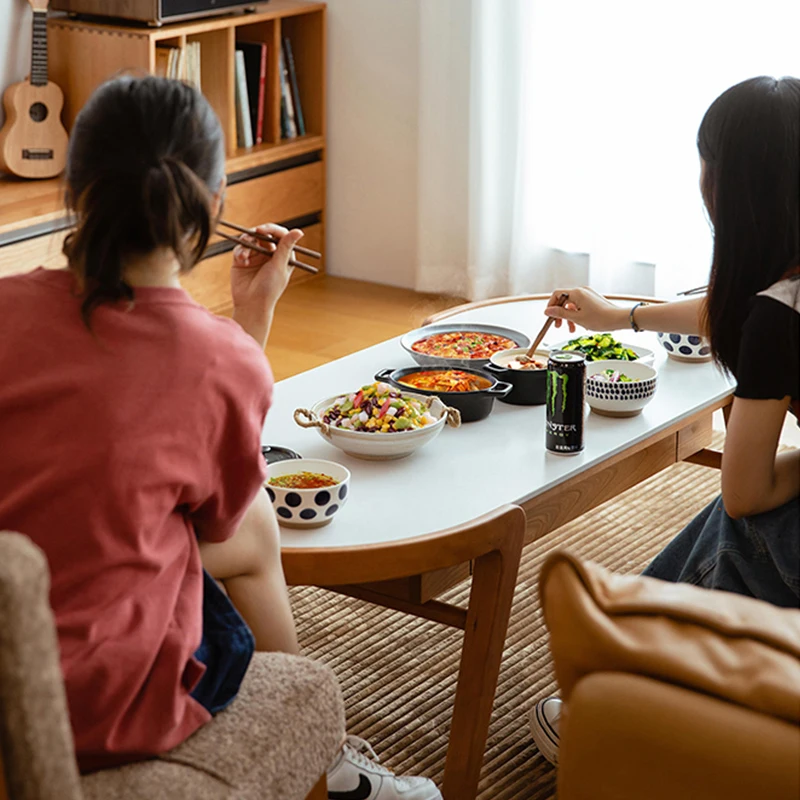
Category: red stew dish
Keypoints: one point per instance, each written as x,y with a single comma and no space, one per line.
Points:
445,380
463,344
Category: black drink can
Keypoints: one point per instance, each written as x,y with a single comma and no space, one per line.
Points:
566,373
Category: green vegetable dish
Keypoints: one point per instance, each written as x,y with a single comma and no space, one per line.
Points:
601,347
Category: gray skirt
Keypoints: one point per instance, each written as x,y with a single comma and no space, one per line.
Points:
757,556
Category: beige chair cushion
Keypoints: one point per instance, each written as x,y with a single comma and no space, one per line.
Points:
35,735
732,647
272,743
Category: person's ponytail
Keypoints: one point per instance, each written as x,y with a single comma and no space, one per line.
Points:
150,189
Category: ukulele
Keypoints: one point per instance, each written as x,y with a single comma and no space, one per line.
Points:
33,142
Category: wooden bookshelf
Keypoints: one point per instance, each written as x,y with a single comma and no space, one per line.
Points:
280,180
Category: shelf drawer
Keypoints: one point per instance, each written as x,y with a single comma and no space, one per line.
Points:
283,195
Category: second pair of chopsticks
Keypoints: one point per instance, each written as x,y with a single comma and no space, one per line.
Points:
265,237
690,292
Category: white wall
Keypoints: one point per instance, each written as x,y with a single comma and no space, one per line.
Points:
15,43
398,114
373,119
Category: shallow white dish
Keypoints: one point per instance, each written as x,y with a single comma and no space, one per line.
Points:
308,508
685,347
507,358
378,446
644,355
412,337
620,399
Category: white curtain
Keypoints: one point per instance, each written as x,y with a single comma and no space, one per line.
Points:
583,116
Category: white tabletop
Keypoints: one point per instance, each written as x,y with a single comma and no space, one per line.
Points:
471,470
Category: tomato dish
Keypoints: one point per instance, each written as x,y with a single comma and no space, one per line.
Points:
445,380
463,344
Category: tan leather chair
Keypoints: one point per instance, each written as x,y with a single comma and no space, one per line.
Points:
671,692
273,742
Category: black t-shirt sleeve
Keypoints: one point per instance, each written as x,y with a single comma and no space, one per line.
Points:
769,354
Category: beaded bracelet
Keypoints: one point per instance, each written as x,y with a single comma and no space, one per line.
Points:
632,320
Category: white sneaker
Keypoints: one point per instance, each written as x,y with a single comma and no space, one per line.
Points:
357,775
545,719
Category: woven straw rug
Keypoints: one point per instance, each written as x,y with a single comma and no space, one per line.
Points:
398,673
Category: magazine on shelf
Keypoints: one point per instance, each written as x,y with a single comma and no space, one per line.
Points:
244,128
293,85
288,124
255,64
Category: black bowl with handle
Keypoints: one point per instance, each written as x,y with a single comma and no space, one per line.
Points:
529,385
473,406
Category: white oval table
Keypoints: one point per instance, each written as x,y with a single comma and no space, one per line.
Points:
414,527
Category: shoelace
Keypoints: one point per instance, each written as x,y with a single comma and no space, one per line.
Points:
358,747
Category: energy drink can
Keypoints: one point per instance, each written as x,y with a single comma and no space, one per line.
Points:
566,373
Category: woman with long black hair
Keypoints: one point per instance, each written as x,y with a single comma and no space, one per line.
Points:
747,540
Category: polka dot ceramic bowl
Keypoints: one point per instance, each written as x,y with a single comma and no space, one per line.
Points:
621,399
308,508
683,347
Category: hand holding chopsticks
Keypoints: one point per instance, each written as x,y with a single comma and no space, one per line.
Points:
266,237
546,327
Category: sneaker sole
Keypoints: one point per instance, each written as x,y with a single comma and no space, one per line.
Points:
545,737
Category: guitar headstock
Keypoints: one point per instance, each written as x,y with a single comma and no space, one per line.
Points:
39,5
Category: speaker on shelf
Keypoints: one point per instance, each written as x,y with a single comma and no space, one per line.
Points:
150,12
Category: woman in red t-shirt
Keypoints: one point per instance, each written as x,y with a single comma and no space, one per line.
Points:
130,425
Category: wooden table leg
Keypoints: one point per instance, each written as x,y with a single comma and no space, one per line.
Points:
320,791
493,581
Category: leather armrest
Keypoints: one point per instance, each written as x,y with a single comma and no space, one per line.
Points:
627,738
717,643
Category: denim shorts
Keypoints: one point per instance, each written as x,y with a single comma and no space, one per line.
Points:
757,556
226,649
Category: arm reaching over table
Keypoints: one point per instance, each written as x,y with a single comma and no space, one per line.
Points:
587,308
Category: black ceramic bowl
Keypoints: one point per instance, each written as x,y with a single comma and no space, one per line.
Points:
472,405
529,385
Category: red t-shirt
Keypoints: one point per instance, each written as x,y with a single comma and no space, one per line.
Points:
114,443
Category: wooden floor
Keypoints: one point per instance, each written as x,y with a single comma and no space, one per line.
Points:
325,318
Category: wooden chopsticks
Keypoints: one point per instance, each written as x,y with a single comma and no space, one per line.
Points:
265,237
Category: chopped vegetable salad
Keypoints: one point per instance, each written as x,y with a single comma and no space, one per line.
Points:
601,347
378,408
612,376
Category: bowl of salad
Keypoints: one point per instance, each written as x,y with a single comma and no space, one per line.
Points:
378,421
465,345
604,347
616,389
307,492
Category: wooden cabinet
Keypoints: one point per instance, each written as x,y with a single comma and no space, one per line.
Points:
282,196
281,180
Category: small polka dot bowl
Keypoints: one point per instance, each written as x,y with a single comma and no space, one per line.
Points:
685,347
620,398
308,508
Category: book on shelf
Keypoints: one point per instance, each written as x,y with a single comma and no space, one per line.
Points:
294,88
179,63
288,123
244,128
192,64
255,65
